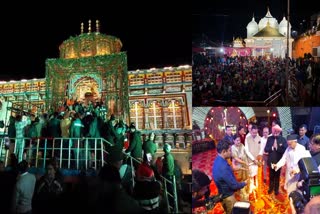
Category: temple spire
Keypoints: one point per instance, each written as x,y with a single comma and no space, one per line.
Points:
81,28
89,27
268,15
97,27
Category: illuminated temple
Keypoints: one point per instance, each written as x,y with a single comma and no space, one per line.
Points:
92,67
268,38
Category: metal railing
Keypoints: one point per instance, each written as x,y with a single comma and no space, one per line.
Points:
267,102
274,97
77,153
70,152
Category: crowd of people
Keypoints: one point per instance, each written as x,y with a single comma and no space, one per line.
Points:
235,169
223,78
111,189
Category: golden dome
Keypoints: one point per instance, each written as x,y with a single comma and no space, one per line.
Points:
89,44
268,31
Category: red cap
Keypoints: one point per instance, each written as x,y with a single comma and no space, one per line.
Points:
144,172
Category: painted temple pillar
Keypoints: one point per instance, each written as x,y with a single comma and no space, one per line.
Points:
146,116
184,116
165,111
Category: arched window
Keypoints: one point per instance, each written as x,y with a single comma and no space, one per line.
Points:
174,116
136,114
155,115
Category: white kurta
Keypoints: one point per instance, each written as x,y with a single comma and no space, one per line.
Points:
291,158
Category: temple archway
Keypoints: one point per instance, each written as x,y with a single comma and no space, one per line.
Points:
86,89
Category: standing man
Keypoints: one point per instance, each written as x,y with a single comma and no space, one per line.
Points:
264,155
20,125
252,142
150,148
168,171
303,139
24,189
291,157
275,147
314,146
252,145
224,178
228,135
135,147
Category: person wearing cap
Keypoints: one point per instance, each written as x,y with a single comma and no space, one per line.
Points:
168,162
145,180
115,157
150,148
168,169
276,145
111,135
291,156
135,147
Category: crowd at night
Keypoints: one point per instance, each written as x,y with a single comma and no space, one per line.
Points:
249,78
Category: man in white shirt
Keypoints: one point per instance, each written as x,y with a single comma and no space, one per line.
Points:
291,157
23,192
252,146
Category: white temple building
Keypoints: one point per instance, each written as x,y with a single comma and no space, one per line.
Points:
268,38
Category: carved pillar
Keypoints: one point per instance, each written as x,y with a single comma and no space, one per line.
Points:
146,116
164,115
183,114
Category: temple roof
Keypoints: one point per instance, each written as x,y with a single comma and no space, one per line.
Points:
268,31
268,18
90,44
252,24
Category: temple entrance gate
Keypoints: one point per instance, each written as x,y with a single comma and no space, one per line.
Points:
91,67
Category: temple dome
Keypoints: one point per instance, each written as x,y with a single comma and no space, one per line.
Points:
268,18
284,22
252,28
252,24
89,44
283,26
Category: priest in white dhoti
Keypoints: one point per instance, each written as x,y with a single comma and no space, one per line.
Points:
291,157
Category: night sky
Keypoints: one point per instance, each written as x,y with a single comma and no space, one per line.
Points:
221,20
153,34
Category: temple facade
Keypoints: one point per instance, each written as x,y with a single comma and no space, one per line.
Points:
268,38
92,67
